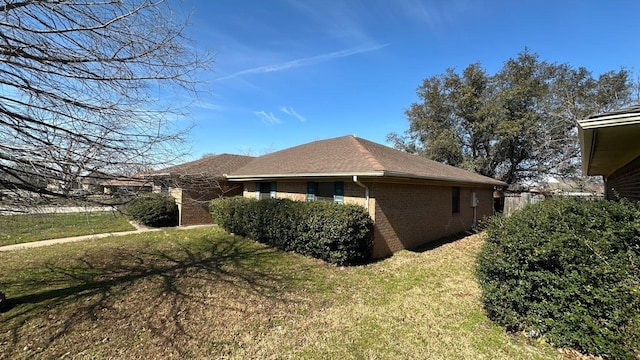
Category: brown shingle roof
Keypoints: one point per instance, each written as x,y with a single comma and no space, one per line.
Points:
349,155
214,166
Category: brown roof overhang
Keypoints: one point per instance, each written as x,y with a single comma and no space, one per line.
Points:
609,141
376,176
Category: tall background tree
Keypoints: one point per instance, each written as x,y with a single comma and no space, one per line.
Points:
86,89
517,124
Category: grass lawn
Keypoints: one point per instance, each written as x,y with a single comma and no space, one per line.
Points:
15,229
202,294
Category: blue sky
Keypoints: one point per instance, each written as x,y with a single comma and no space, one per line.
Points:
290,72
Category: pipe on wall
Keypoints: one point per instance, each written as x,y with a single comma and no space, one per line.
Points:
366,190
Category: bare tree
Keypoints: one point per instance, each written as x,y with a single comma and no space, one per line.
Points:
89,87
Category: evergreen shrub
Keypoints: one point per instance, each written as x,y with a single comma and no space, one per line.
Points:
567,270
155,210
340,234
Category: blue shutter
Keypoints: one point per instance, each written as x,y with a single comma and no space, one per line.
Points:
257,190
311,191
272,193
338,195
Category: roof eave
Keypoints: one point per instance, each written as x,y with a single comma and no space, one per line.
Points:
595,135
448,179
184,175
587,140
374,174
610,120
258,177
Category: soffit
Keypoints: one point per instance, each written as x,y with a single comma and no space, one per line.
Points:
606,149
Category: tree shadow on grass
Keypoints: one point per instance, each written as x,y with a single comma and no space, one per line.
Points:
170,279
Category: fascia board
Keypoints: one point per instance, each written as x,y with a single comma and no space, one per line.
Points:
611,120
445,179
587,141
300,175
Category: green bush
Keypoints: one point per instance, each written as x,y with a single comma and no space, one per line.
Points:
340,234
569,271
335,233
156,210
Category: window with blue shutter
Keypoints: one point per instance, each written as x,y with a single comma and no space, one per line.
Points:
265,190
338,195
311,191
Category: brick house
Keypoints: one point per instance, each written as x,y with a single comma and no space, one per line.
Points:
133,184
610,148
196,183
412,200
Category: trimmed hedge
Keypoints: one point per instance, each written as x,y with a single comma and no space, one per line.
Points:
340,234
156,210
568,271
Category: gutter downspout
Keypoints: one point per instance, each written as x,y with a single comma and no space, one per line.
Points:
474,205
366,190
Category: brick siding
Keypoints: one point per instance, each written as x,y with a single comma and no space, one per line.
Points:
408,216
193,205
625,182
405,215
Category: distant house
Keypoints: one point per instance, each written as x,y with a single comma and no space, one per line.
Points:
196,183
93,183
134,184
571,186
412,200
610,145
517,196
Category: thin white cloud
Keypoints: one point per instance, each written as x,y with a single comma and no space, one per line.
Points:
304,61
435,15
208,105
291,112
346,22
267,117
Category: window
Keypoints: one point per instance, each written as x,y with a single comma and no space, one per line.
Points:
312,189
338,193
325,191
266,190
455,200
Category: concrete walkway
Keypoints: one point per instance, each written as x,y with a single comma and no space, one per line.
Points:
139,229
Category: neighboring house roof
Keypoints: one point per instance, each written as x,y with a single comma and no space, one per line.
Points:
95,177
609,141
126,182
561,185
349,156
214,166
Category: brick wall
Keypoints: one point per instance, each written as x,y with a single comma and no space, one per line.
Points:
193,204
405,215
625,182
408,216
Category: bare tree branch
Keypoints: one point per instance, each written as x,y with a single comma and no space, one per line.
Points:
85,87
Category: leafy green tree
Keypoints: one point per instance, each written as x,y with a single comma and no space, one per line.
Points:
519,123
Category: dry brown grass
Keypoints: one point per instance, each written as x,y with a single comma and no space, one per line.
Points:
201,294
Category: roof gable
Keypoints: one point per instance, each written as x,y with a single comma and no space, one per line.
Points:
214,166
349,155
